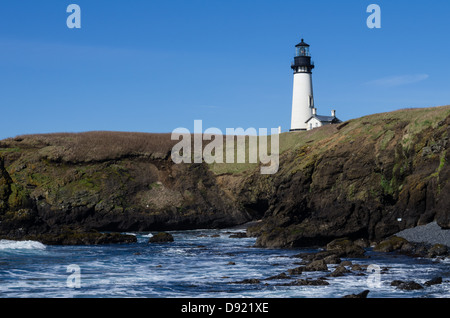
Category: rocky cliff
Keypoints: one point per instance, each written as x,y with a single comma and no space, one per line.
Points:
366,178
81,184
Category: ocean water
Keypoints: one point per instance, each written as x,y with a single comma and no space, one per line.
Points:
196,265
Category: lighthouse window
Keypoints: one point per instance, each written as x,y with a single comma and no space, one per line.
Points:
302,51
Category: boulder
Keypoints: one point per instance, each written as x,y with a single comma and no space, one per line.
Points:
339,271
279,276
249,281
307,282
332,259
406,285
161,237
360,295
390,244
80,237
346,263
358,267
319,265
238,235
437,250
434,281
296,271
345,247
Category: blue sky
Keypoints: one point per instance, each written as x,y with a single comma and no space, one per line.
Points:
153,66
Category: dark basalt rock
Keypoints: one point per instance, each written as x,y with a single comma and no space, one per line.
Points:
77,237
434,281
279,276
406,285
44,189
437,250
248,281
391,244
319,265
369,188
161,237
238,235
360,295
307,282
339,271
345,248
368,178
402,246
295,271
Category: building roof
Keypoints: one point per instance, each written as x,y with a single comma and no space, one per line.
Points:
324,119
302,43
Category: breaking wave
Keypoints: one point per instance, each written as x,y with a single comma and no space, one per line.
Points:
20,245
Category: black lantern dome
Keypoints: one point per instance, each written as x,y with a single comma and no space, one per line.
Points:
302,60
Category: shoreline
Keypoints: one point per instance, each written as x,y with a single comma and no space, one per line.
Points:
430,233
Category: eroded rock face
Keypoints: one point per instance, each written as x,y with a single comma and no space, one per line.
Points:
368,178
42,195
357,184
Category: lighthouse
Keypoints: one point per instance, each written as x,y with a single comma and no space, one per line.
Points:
303,98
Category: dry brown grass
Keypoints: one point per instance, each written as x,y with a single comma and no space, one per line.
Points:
94,146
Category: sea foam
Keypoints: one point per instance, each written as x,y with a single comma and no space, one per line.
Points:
20,245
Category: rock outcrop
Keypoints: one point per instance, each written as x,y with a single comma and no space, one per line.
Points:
367,178
161,237
80,183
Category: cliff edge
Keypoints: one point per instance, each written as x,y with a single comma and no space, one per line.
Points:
369,178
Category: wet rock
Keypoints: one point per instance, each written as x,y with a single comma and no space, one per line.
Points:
360,295
307,282
391,244
295,271
345,248
79,237
407,248
319,265
249,281
358,267
434,281
308,257
231,263
384,270
346,263
339,271
437,250
362,242
161,237
406,285
238,235
279,276
332,259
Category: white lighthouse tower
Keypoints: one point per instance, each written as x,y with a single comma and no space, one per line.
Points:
303,98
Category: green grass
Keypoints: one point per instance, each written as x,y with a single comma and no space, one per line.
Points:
102,146
442,163
7,150
382,128
388,136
